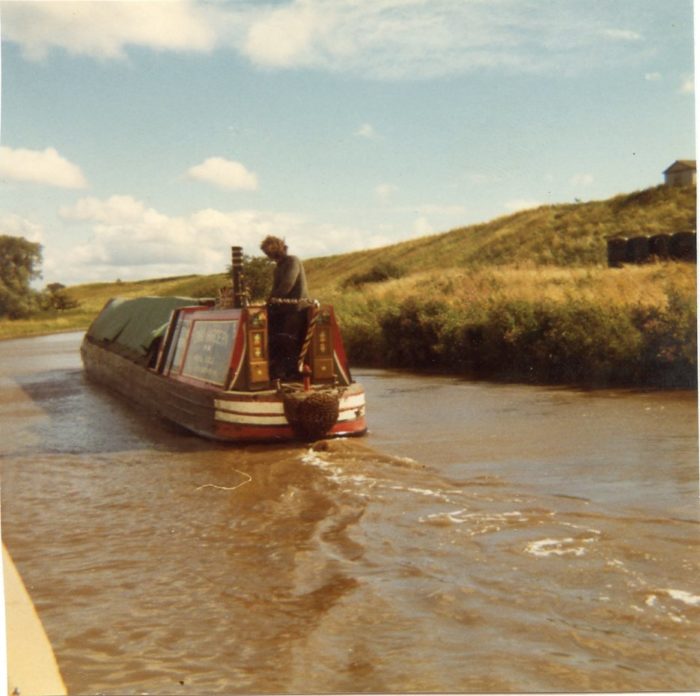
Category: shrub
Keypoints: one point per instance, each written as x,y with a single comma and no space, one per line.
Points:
384,270
669,342
362,335
55,296
258,272
580,342
414,332
589,344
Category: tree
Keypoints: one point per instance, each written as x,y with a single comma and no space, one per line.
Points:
57,297
20,260
257,276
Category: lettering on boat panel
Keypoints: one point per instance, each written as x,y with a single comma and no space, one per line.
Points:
209,352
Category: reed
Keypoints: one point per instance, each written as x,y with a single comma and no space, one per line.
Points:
634,326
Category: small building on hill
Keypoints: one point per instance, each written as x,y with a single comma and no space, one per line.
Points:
681,173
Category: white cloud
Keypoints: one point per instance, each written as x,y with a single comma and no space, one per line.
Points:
40,167
129,240
582,180
104,29
366,130
14,225
622,34
519,204
385,191
652,76
384,39
114,210
285,36
224,174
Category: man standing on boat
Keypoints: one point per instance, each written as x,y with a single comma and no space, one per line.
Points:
287,307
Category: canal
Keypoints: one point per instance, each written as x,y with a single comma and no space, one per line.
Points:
482,537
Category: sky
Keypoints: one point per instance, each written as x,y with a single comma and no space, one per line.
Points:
144,139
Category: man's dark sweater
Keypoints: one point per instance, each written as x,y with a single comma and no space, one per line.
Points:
289,280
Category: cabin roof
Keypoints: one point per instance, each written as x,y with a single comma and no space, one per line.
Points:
681,165
134,324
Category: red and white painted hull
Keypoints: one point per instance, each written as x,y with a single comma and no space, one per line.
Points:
210,412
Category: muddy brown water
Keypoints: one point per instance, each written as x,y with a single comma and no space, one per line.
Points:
482,537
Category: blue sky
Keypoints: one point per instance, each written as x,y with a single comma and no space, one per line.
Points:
143,139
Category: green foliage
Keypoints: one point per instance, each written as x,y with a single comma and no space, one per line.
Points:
257,276
55,296
362,335
581,342
19,265
669,343
413,333
381,271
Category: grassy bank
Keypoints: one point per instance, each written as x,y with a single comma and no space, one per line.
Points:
594,327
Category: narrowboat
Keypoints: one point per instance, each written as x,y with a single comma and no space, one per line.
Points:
205,365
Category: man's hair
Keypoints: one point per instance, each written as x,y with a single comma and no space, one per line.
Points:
273,245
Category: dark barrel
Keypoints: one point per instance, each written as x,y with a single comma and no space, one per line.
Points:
660,246
616,251
683,246
637,250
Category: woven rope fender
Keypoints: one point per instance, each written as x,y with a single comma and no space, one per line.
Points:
311,414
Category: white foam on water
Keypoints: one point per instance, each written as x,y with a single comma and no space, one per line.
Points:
482,522
578,526
310,457
680,595
685,597
335,473
558,547
688,598
420,491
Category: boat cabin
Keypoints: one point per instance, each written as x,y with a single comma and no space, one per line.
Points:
229,348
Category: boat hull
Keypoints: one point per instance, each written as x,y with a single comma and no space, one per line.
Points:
257,416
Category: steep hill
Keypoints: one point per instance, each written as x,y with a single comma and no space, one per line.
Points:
552,235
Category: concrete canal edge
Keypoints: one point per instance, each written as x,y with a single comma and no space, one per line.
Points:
31,664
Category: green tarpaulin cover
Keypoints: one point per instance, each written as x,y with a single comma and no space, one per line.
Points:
135,324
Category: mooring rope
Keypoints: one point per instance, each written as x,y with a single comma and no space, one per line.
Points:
249,478
284,300
309,334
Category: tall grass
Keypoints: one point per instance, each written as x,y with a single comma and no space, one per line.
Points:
634,326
